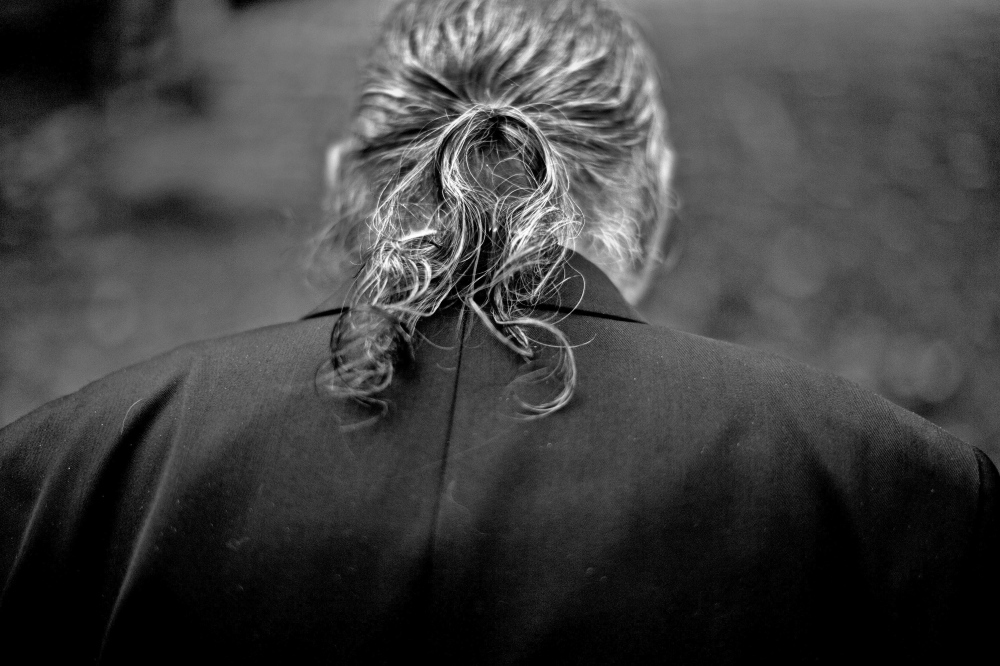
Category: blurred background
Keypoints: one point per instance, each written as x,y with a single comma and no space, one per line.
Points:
160,172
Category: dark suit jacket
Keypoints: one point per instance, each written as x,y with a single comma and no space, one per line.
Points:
696,502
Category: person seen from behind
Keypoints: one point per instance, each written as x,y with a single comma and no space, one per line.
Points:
479,452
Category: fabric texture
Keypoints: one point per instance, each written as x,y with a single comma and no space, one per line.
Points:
697,502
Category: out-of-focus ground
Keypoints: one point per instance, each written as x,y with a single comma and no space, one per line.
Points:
160,171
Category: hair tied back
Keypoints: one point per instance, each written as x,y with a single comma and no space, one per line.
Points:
483,218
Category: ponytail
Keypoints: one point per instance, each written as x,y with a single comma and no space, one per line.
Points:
481,216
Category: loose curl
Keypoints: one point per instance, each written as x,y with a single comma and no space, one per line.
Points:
491,136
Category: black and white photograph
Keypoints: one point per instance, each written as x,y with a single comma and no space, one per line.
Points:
499,331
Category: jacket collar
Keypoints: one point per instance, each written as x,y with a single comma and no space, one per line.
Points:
586,290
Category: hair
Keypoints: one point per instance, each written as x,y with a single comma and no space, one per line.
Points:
491,136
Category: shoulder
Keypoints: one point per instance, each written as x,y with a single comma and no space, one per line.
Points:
204,378
195,412
739,379
767,415
800,400
752,428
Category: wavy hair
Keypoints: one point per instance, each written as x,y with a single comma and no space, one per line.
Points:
491,136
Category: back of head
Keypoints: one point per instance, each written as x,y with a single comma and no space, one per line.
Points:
491,136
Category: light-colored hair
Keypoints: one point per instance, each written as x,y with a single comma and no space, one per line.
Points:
491,135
